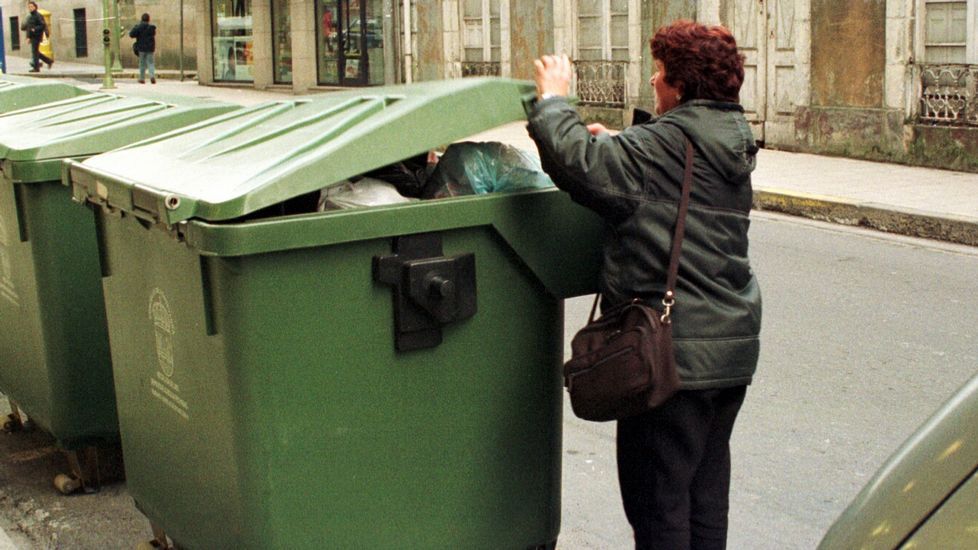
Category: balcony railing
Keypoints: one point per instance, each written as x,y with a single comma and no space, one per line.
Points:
601,83
948,94
480,68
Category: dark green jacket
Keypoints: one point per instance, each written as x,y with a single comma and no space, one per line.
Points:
633,181
35,26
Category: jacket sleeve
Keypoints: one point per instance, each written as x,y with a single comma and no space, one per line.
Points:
134,32
604,173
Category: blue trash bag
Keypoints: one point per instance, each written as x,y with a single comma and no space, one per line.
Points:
469,168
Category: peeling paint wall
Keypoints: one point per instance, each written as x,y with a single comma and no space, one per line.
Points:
429,60
531,32
848,52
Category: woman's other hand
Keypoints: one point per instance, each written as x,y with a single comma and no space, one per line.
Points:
552,75
596,128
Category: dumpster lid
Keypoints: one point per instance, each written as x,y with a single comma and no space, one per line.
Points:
18,92
263,155
94,123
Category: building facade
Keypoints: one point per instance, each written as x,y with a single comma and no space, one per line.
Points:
76,30
886,80
891,80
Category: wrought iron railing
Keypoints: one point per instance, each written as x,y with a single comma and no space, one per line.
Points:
481,68
948,94
601,83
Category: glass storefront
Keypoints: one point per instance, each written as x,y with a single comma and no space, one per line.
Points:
281,41
350,42
231,24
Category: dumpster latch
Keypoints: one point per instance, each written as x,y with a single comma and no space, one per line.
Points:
430,290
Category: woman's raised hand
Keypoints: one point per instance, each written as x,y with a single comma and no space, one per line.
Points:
552,75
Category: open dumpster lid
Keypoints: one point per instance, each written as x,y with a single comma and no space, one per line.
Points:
34,140
263,155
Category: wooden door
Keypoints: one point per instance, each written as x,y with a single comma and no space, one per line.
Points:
769,33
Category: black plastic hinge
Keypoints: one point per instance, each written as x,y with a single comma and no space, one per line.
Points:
430,290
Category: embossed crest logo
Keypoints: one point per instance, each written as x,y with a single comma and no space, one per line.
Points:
159,314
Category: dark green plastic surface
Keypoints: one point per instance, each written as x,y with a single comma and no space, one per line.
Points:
265,154
262,401
54,350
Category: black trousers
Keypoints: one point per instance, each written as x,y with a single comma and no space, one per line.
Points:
674,470
35,54
37,57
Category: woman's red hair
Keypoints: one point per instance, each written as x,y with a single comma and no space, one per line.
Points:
702,61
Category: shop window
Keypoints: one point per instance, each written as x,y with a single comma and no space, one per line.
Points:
350,42
481,51
282,44
231,24
14,33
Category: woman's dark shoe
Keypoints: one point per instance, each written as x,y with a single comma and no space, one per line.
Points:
153,80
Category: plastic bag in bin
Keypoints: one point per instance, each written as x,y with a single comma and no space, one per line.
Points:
363,192
469,168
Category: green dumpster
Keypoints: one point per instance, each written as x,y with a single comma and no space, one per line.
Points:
54,351
384,377
17,92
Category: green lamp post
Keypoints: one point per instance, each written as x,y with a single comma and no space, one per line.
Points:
107,82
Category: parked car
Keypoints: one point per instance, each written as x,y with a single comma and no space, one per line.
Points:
926,494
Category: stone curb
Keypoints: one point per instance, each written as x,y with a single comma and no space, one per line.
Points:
914,223
129,75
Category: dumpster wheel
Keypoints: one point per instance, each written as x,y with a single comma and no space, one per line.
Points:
14,422
84,472
66,484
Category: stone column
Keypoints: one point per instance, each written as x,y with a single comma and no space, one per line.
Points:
900,86
205,41
304,40
261,47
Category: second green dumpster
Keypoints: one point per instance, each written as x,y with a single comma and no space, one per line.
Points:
383,377
54,350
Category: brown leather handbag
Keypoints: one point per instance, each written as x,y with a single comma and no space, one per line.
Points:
622,364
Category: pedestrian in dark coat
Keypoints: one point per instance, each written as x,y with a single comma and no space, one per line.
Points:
145,47
35,28
673,461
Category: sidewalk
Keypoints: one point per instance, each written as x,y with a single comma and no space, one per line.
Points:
920,202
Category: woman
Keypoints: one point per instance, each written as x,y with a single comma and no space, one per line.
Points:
673,461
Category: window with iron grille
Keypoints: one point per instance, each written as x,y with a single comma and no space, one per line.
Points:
481,31
948,73
601,59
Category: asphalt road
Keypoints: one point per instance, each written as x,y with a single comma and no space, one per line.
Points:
865,334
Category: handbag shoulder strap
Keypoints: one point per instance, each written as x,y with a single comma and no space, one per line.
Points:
669,300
